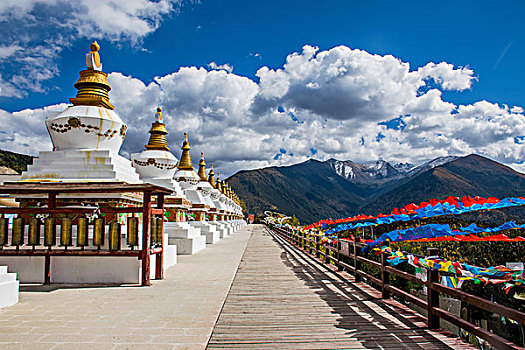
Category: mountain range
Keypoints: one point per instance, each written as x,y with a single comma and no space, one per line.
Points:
315,190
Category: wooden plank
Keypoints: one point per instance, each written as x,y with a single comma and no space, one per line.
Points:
282,298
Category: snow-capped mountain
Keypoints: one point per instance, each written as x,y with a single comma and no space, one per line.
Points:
380,171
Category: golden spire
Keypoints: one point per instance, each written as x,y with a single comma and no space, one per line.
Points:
211,178
202,169
219,182
185,158
157,139
93,86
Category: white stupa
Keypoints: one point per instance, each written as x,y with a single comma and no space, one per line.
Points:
86,137
156,164
187,237
204,187
215,210
220,202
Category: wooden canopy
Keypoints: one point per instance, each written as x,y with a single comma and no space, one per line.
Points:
80,187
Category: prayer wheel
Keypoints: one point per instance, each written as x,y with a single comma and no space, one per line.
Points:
82,232
153,231
66,226
33,236
4,224
158,231
98,232
17,238
114,235
133,231
50,230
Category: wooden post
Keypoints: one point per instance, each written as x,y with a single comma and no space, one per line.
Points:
159,266
339,256
317,246
47,270
432,295
51,204
385,277
52,200
357,264
146,238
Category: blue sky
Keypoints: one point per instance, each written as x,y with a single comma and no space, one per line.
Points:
143,42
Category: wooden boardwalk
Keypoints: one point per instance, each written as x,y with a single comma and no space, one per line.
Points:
283,299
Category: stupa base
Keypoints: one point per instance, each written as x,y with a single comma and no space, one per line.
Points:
221,228
81,166
207,230
187,238
9,287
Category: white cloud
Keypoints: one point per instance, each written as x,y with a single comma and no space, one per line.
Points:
447,76
228,68
346,84
6,51
39,30
319,104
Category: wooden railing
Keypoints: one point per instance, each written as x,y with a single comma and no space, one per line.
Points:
350,251
83,231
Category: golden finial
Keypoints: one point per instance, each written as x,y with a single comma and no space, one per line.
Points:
94,46
219,182
93,57
211,178
158,115
185,159
93,86
157,139
202,168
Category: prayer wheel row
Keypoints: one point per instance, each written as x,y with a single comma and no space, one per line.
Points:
82,239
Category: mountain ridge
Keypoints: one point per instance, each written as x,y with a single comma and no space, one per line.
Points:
314,189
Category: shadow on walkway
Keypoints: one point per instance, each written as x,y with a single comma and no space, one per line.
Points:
376,323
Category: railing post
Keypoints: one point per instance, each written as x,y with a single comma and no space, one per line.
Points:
385,277
159,263
339,256
432,295
317,253
357,264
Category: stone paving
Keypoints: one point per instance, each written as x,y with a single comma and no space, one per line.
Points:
178,312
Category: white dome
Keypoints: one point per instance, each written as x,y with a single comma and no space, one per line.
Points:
154,164
86,127
188,179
